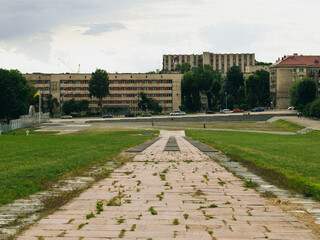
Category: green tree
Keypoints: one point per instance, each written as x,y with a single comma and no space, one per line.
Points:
51,103
252,90
143,102
302,92
264,94
185,67
99,85
233,82
83,105
15,94
69,107
190,91
150,104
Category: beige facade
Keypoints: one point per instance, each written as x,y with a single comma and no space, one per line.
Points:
218,61
253,69
285,71
124,89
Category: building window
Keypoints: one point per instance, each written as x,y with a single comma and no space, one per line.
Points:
131,81
293,78
78,81
154,81
124,95
293,70
301,70
115,82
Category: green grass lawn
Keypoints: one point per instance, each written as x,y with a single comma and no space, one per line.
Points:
292,161
289,126
29,163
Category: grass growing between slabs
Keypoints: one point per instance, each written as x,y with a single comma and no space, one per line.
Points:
30,163
291,161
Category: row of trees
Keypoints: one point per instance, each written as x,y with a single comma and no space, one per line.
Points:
233,89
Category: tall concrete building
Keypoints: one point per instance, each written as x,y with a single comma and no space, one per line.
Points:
288,69
124,89
218,61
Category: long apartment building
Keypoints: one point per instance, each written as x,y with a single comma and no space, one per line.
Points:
218,61
288,69
124,89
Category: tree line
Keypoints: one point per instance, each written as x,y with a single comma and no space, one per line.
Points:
303,96
231,91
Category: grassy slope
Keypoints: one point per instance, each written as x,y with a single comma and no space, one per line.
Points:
288,125
295,156
28,163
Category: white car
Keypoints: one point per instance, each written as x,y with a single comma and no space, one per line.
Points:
177,113
291,108
226,111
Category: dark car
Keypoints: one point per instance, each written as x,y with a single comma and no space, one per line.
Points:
129,115
107,116
210,112
257,109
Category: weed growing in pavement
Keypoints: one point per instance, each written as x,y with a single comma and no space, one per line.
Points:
62,234
160,196
121,220
220,182
248,223
234,218
134,176
175,221
188,161
70,221
206,177
90,215
139,216
198,193
227,203
138,182
267,229
162,177
82,225
187,227
133,227
99,206
127,201
138,190
185,216
152,211
155,174
268,194
230,228
128,173
122,232
224,222
250,184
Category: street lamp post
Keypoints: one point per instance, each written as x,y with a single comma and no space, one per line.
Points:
226,99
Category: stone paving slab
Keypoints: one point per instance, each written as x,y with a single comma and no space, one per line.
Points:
170,195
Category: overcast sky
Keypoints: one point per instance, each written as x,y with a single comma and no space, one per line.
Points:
132,35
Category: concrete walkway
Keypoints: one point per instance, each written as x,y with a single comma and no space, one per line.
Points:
180,194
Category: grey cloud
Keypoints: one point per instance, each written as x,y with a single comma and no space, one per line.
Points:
232,36
96,29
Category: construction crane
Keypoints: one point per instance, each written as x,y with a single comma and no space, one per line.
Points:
69,66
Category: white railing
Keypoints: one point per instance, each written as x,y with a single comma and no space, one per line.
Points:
24,121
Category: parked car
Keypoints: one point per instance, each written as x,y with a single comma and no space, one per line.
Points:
66,117
257,109
129,115
210,112
145,115
237,110
177,113
225,111
107,116
291,108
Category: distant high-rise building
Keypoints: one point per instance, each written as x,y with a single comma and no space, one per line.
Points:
218,61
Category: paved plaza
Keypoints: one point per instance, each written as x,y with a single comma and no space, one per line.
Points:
171,190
